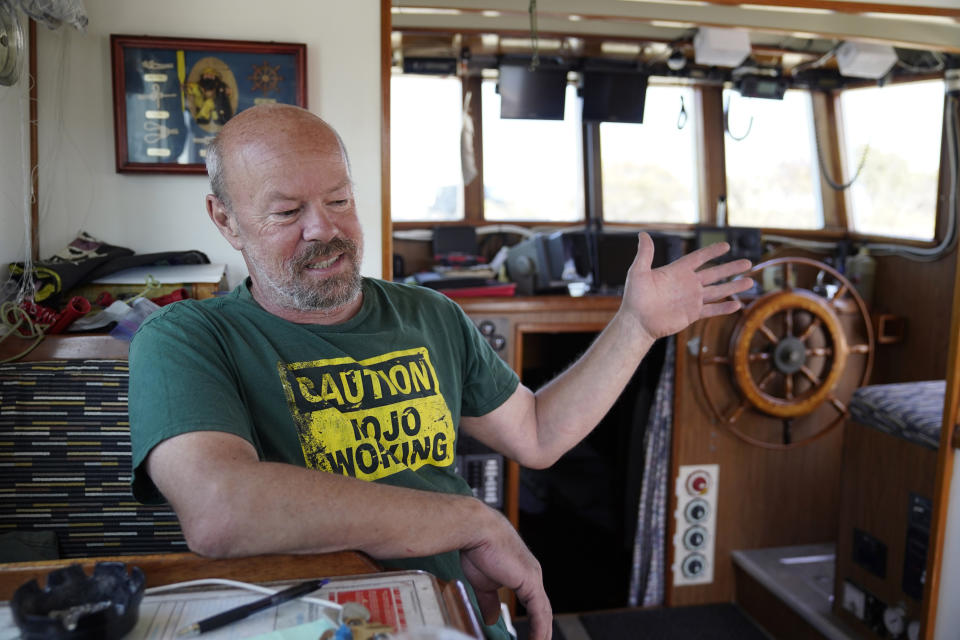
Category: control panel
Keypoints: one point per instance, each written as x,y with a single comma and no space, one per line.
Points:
484,473
482,468
494,331
696,524
885,620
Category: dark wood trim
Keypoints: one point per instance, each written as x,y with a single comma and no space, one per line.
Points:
66,347
538,305
34,145
712,161
840,6
945,460
386,61
170,568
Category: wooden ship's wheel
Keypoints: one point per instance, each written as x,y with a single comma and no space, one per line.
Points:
781,372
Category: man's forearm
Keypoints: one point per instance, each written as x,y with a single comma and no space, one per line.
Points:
232,505
574,402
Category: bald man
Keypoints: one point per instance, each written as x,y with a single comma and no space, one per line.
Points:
315,410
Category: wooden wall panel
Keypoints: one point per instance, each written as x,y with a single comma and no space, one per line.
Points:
880,472
920,292
767,498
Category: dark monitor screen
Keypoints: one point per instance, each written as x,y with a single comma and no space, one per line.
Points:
538,94
613,96
615,253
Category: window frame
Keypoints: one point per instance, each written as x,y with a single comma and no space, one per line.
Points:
940,216
711,171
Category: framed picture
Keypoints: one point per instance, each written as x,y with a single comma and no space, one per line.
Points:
172,95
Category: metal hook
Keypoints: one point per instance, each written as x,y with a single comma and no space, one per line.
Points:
682,116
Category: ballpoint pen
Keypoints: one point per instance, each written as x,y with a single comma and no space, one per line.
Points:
241,612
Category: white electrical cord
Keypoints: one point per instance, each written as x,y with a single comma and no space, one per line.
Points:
236,584
925,254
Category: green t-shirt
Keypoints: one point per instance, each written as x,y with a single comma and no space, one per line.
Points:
378,397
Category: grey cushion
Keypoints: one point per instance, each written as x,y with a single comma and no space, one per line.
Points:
909,410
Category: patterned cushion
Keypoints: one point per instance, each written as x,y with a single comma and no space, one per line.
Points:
910,410
65,460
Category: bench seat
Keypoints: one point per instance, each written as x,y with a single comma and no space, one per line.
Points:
909,410
65,463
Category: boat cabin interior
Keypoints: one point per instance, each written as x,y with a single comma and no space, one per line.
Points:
787,471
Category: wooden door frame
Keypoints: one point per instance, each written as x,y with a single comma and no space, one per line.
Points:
949,440
386,62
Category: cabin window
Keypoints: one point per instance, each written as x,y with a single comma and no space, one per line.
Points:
649,170
899,128
426,182
771,162
532,169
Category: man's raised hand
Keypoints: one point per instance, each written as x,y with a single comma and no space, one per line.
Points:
666,300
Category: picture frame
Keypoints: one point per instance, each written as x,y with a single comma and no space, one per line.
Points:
172,95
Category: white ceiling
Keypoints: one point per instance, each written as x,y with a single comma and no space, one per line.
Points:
933,24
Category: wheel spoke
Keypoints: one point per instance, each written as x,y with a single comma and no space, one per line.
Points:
771,336
837,404
789,384
839,293
766,379
716,360
758,356
810,375
820,351
787,269
860,348
810,329
738,411
789,322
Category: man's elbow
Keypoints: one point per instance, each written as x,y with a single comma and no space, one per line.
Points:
214,532
537,459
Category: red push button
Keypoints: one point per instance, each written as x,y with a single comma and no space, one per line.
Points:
698,483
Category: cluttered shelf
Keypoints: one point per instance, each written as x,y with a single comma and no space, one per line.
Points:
94,287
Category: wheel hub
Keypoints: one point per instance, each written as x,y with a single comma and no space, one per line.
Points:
789,355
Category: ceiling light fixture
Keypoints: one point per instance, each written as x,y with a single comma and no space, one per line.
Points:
718,47
865,59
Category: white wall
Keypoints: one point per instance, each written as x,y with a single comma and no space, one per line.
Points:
79,187
13,173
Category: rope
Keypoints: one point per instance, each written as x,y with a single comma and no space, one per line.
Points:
13,318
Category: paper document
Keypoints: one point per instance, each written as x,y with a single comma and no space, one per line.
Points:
167,274
391,602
